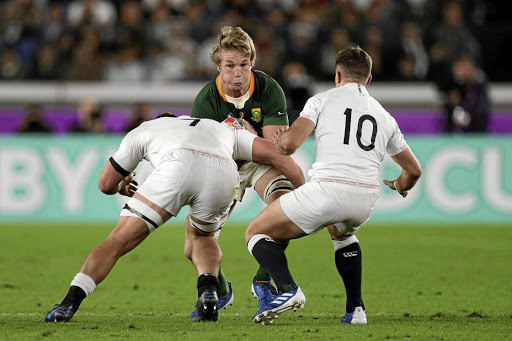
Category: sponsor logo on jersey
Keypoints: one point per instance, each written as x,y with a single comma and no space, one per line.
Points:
350,254
256,114
281,113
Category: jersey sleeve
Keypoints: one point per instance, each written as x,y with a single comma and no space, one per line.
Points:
243,145
275,105
312,109
202,108
129,153
396,142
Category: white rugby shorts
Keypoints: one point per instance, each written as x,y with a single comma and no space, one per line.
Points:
318,204
205,182
250,173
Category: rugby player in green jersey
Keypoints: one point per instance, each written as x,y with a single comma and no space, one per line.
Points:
256,98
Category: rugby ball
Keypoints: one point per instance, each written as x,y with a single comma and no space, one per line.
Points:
234,122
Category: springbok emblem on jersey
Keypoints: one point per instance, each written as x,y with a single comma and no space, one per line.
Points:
256,114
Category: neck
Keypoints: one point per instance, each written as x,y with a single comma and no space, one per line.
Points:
236,93
349,81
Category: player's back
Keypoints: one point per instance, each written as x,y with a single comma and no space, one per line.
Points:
353,132
158,137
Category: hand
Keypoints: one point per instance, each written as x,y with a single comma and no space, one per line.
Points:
127,186
277,135
393,186
234,123
248,126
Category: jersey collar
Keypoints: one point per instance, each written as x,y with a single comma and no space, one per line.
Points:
223,95
359,87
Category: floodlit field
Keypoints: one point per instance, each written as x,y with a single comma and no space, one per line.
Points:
419,282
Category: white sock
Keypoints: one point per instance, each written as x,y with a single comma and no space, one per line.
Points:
340,244
84,282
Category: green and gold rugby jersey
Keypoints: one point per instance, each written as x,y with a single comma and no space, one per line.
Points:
265,106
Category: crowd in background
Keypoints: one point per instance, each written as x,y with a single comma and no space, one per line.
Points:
171,40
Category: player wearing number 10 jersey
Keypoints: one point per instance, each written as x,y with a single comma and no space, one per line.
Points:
352,134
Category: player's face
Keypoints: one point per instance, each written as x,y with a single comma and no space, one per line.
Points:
235,72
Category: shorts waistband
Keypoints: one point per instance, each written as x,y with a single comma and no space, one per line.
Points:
346,182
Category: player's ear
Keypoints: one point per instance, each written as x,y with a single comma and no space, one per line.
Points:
337,77
369,80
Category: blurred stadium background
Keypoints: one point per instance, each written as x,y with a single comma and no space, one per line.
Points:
76,75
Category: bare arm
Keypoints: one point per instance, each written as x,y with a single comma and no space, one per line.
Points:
287,141
264,152
411,172
112,182
270,130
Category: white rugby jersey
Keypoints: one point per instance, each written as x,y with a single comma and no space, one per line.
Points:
153,140
352,133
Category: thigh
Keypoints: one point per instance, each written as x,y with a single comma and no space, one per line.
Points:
250,173
272,184
130,232
310,207
273,222
356,209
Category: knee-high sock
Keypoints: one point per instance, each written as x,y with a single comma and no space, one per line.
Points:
349,263
272,258
262,275
223,284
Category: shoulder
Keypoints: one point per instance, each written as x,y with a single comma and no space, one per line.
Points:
321,97
268,89
134,136
265,80
205,100
207,92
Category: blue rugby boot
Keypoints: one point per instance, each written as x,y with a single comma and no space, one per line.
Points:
358,316
60,314
283,302
265,292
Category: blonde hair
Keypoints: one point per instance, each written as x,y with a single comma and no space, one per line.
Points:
233,38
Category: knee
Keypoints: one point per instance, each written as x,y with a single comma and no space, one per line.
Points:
250,231
337,234
276,195
188,251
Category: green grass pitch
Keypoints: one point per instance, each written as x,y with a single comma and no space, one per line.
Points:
420,282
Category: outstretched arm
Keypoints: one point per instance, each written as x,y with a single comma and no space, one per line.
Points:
288,140
264,152
411,172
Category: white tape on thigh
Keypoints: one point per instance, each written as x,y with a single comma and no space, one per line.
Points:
340,244
256,238
139,209
208,227
277,184
216,234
